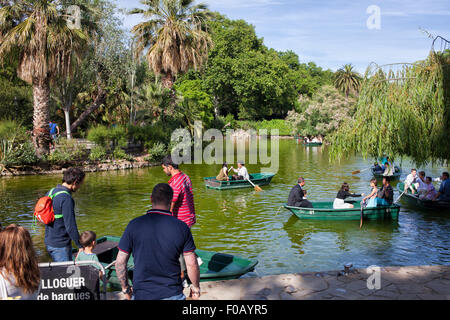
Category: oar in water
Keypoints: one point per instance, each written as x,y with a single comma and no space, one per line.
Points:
362,215
257,188
400,196
359,171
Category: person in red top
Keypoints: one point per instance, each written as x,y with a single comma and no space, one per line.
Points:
183,200
183,206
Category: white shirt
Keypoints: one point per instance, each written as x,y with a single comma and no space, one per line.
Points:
242,172
422,185
410,179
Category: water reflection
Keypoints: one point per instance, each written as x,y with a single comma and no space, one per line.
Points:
250,223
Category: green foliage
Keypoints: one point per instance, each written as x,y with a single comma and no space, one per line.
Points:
322,114
15,145
402,112
108,137
67,151
196,104
282,126
120,154
98,153
156,152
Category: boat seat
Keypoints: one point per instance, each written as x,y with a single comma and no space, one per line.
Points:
104,247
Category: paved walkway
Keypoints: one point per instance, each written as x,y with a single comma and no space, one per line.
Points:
395,283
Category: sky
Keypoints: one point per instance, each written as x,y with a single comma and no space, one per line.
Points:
332,33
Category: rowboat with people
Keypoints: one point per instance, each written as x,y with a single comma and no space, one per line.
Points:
214,266
325,211
379,175
259,179
416,202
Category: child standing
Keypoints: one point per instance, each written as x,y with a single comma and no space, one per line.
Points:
88,241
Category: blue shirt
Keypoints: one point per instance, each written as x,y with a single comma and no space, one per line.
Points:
444,190
156,241
61,232
53,128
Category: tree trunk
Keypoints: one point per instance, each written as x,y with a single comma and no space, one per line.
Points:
99,100
67,117
41,117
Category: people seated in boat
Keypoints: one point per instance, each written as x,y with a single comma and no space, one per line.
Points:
306,139
377,167
444,190
389,169
297,196
370,200
430,191
421,184
315,140
385,196
344,193
223,174
242,173
411,181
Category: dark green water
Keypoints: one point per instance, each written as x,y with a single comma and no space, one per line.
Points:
251,224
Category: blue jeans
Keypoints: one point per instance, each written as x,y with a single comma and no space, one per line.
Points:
60,254
178,297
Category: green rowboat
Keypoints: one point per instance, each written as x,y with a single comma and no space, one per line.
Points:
379,175
415,202
215,266
259,179
325,211
312,144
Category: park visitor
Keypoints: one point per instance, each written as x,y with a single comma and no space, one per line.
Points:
410,181
19,268
242,173
370,200
444,190
297,196
344,193
60,233
88,241
385,196
156,241
223,174
430,191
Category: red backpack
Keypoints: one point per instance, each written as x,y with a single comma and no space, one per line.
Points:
43,210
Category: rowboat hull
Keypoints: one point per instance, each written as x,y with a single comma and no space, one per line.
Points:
325,211
215,266
259,179
313,144
415,202
395,177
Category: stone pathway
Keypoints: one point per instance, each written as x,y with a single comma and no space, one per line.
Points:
396,283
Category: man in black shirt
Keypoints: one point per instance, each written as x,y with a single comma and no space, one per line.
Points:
297,194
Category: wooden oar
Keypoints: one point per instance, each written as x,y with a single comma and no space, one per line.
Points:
359,171
400,196
257,188
362,215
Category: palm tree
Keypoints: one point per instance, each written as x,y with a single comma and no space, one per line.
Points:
175,36
37,32
346,80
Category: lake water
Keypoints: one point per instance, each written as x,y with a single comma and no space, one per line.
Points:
251,224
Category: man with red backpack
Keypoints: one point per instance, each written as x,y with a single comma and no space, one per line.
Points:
60,233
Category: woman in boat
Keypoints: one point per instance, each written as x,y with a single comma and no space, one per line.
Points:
344,193
223,174
19,269
372,197
430,191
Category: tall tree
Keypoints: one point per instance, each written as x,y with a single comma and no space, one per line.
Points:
37,30
347,80
175,36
